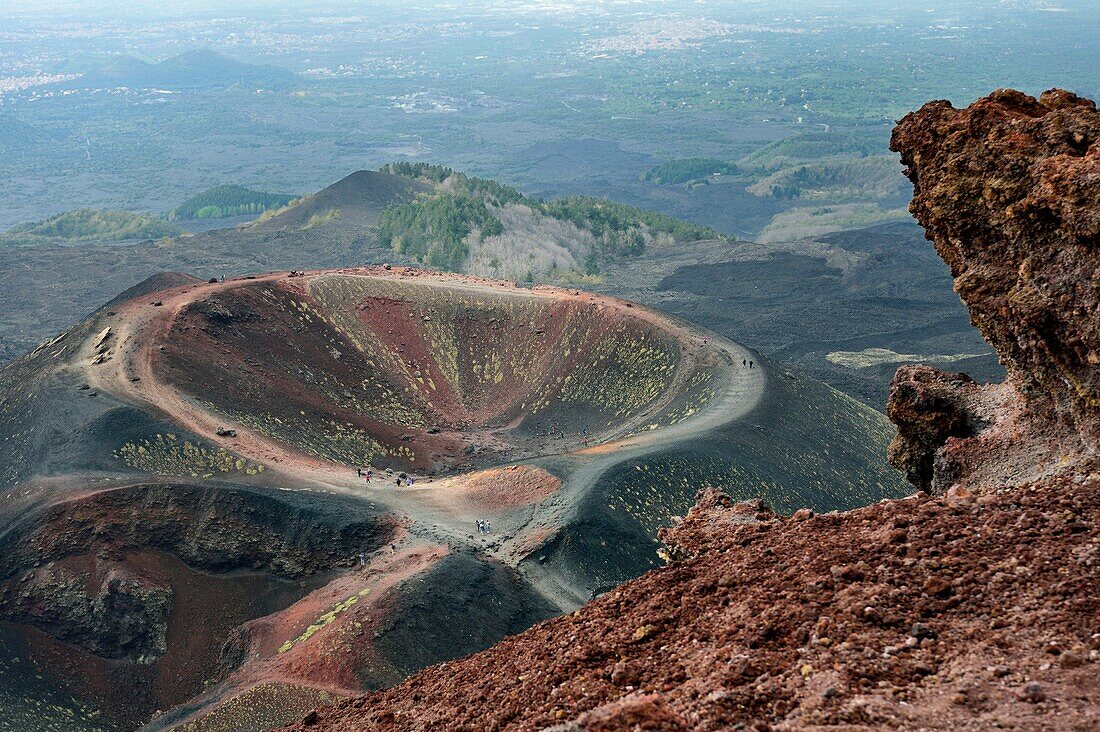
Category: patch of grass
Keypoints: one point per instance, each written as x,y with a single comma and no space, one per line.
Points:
808,221
320,219
812,145
834,179
325,619
224,201
166,455
87,224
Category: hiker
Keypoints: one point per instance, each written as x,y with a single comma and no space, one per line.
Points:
487,526
362,559
750,364
744,362
479,526
358,472
393,548
368,476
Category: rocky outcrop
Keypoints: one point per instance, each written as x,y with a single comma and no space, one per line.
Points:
210,528
929,407
118,616
967,611
928,612
80,573
1008,190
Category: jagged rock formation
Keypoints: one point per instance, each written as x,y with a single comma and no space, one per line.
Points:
972,610
1007,190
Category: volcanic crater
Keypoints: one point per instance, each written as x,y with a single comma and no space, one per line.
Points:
190,539
422,374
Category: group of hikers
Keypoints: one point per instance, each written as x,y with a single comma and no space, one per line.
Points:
556,430
363,555
483,526
400,480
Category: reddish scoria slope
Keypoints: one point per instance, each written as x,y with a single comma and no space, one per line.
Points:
975,610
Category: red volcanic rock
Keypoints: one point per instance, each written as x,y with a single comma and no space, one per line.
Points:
829,621
928,406
643,713
1008,190
968,611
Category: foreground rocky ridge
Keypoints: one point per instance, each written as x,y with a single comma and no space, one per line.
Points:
906,614
974,609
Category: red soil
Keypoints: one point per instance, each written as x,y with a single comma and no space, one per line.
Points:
337,654
500,489
808,622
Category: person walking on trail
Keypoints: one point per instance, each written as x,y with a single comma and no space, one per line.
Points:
358,472
479,526
750,364
362,559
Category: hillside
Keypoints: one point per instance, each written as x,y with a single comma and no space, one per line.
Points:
88,224
226,201
441,218
971,609
686,170
813,145
481,227
356,201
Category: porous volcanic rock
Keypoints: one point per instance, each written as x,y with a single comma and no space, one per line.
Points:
929,406
1007,191
972,610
